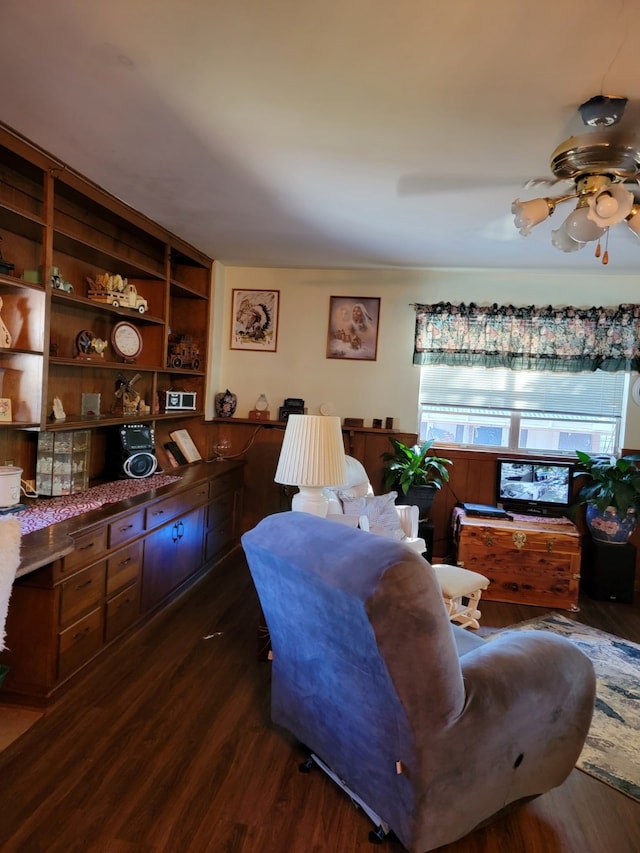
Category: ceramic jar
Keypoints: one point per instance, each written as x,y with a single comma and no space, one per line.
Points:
225,404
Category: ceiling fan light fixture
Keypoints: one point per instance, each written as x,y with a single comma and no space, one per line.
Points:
633,220
580,227
527,214
610,205
562,241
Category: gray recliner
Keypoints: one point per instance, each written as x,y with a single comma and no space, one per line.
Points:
433,729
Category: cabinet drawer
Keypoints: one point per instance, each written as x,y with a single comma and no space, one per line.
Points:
219,537
221,509
170,507
123,567
89,547
122,611
81,592
79,643
126,528
225,484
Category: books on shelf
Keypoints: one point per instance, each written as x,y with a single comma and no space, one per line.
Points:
186,445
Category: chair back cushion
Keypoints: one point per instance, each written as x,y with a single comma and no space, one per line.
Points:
362,647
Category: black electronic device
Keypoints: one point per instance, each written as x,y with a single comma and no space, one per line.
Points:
486,511
534,487
291,406
608,571
133,451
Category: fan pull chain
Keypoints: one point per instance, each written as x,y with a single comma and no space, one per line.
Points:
598,249
605,257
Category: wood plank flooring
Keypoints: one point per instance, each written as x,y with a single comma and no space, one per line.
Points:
166,746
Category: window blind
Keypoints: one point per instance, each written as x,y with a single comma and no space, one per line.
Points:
596,393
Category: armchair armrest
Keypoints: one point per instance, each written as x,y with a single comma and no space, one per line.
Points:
409,517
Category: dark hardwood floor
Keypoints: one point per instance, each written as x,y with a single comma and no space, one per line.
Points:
166,745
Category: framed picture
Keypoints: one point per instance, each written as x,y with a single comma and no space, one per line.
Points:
254,320
5,409
353,327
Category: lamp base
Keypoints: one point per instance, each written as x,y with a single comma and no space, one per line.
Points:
310,499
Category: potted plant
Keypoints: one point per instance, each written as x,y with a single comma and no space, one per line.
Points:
415,473
611,495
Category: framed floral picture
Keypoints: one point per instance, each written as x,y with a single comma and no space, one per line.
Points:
353,327
254,320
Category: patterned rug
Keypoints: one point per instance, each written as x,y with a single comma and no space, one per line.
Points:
612,750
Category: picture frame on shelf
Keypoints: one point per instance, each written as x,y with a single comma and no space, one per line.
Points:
5,409
353,327
254,320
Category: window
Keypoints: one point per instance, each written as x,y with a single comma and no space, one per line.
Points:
521,410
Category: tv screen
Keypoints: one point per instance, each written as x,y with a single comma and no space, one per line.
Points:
534,487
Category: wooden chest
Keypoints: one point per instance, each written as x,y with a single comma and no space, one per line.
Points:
528,562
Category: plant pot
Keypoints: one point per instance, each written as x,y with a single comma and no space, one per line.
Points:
420,496
609,526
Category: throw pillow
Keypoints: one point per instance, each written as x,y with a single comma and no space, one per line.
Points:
381,512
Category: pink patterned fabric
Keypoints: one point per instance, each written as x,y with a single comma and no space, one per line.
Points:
52,510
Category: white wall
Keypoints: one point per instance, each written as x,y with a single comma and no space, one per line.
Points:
387,387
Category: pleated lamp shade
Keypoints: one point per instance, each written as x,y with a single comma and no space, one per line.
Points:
312,457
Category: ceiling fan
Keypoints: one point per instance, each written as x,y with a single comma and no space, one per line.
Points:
598,164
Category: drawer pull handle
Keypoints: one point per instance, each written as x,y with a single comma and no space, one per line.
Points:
158,512
125,528
550,545
488,539
87,547
85,584
124,562
82,633
519,539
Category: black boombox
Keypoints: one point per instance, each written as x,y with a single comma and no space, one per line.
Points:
291,406
133,452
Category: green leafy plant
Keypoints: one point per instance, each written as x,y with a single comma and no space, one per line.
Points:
414,466
612,482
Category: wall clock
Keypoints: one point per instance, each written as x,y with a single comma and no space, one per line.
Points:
126,341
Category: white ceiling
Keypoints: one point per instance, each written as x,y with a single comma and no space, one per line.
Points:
341,133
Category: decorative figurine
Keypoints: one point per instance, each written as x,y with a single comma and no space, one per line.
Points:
58,413
183,352
5,334
127,398
58,282
116,290
88,346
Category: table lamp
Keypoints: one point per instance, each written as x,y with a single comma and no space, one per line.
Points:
312,457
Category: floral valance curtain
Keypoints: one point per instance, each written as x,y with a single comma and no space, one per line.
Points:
528,338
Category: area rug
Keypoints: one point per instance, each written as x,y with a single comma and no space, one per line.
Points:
612,750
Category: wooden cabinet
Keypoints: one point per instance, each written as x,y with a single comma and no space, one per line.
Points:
172,554
127,563
54,221
527,562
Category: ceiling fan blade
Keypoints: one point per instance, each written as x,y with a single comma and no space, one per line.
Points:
423,184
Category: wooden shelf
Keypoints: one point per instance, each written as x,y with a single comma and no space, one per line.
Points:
51,217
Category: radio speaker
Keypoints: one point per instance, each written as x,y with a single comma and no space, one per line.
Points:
134,451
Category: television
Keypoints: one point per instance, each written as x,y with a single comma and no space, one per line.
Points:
534,487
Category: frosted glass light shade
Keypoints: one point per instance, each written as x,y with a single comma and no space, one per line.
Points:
633,220
312,457
610,205
580,227
529,213
562,241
